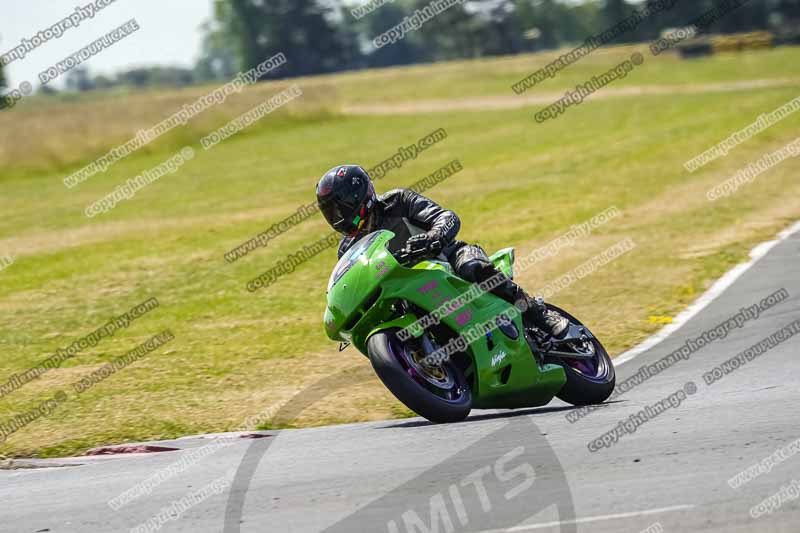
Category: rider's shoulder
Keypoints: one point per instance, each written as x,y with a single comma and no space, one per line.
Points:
392,194
396,195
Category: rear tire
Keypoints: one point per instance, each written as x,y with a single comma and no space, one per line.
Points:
587,384
390,360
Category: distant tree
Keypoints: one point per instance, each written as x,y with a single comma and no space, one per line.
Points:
453,33
789,10
525,24
3,82
403,52
218,58
46,90
678,16
78,80
614,12
320,36
572,23
137,78
171,76
103,82
501,32
3,85
546,15
751,16
304,30
584,19
785,19
155,77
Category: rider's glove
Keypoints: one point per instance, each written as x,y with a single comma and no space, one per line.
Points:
430,243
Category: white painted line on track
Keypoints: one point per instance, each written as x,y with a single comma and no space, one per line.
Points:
589,519
756,254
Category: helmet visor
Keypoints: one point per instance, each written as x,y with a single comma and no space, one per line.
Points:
343,218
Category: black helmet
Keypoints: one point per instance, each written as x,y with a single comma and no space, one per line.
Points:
346,197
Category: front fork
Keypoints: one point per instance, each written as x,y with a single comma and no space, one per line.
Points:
576,344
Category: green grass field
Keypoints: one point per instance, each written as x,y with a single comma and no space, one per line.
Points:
236,353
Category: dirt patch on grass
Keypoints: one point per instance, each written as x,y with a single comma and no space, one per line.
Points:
491,103
97,232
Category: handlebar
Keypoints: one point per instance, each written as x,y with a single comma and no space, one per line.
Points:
405,255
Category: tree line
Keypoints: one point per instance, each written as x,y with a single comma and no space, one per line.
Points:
323,36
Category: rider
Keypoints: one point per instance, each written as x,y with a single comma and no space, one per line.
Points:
348,202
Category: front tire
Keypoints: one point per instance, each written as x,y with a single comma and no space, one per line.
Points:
442,398
588,382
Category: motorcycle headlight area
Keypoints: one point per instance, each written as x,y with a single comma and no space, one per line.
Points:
350,257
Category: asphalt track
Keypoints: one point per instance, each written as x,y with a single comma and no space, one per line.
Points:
528,470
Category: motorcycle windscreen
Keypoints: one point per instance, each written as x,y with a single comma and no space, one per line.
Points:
350,257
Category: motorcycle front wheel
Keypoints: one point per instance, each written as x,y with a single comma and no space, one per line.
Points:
589,381
439,393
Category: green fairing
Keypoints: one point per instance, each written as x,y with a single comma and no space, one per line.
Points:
360,305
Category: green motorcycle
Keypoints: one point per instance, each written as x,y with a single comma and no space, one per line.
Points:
442,347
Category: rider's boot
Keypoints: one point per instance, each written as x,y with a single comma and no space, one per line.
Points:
546,319
472,264
535,311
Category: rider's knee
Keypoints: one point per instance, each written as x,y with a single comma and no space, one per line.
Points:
472,264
